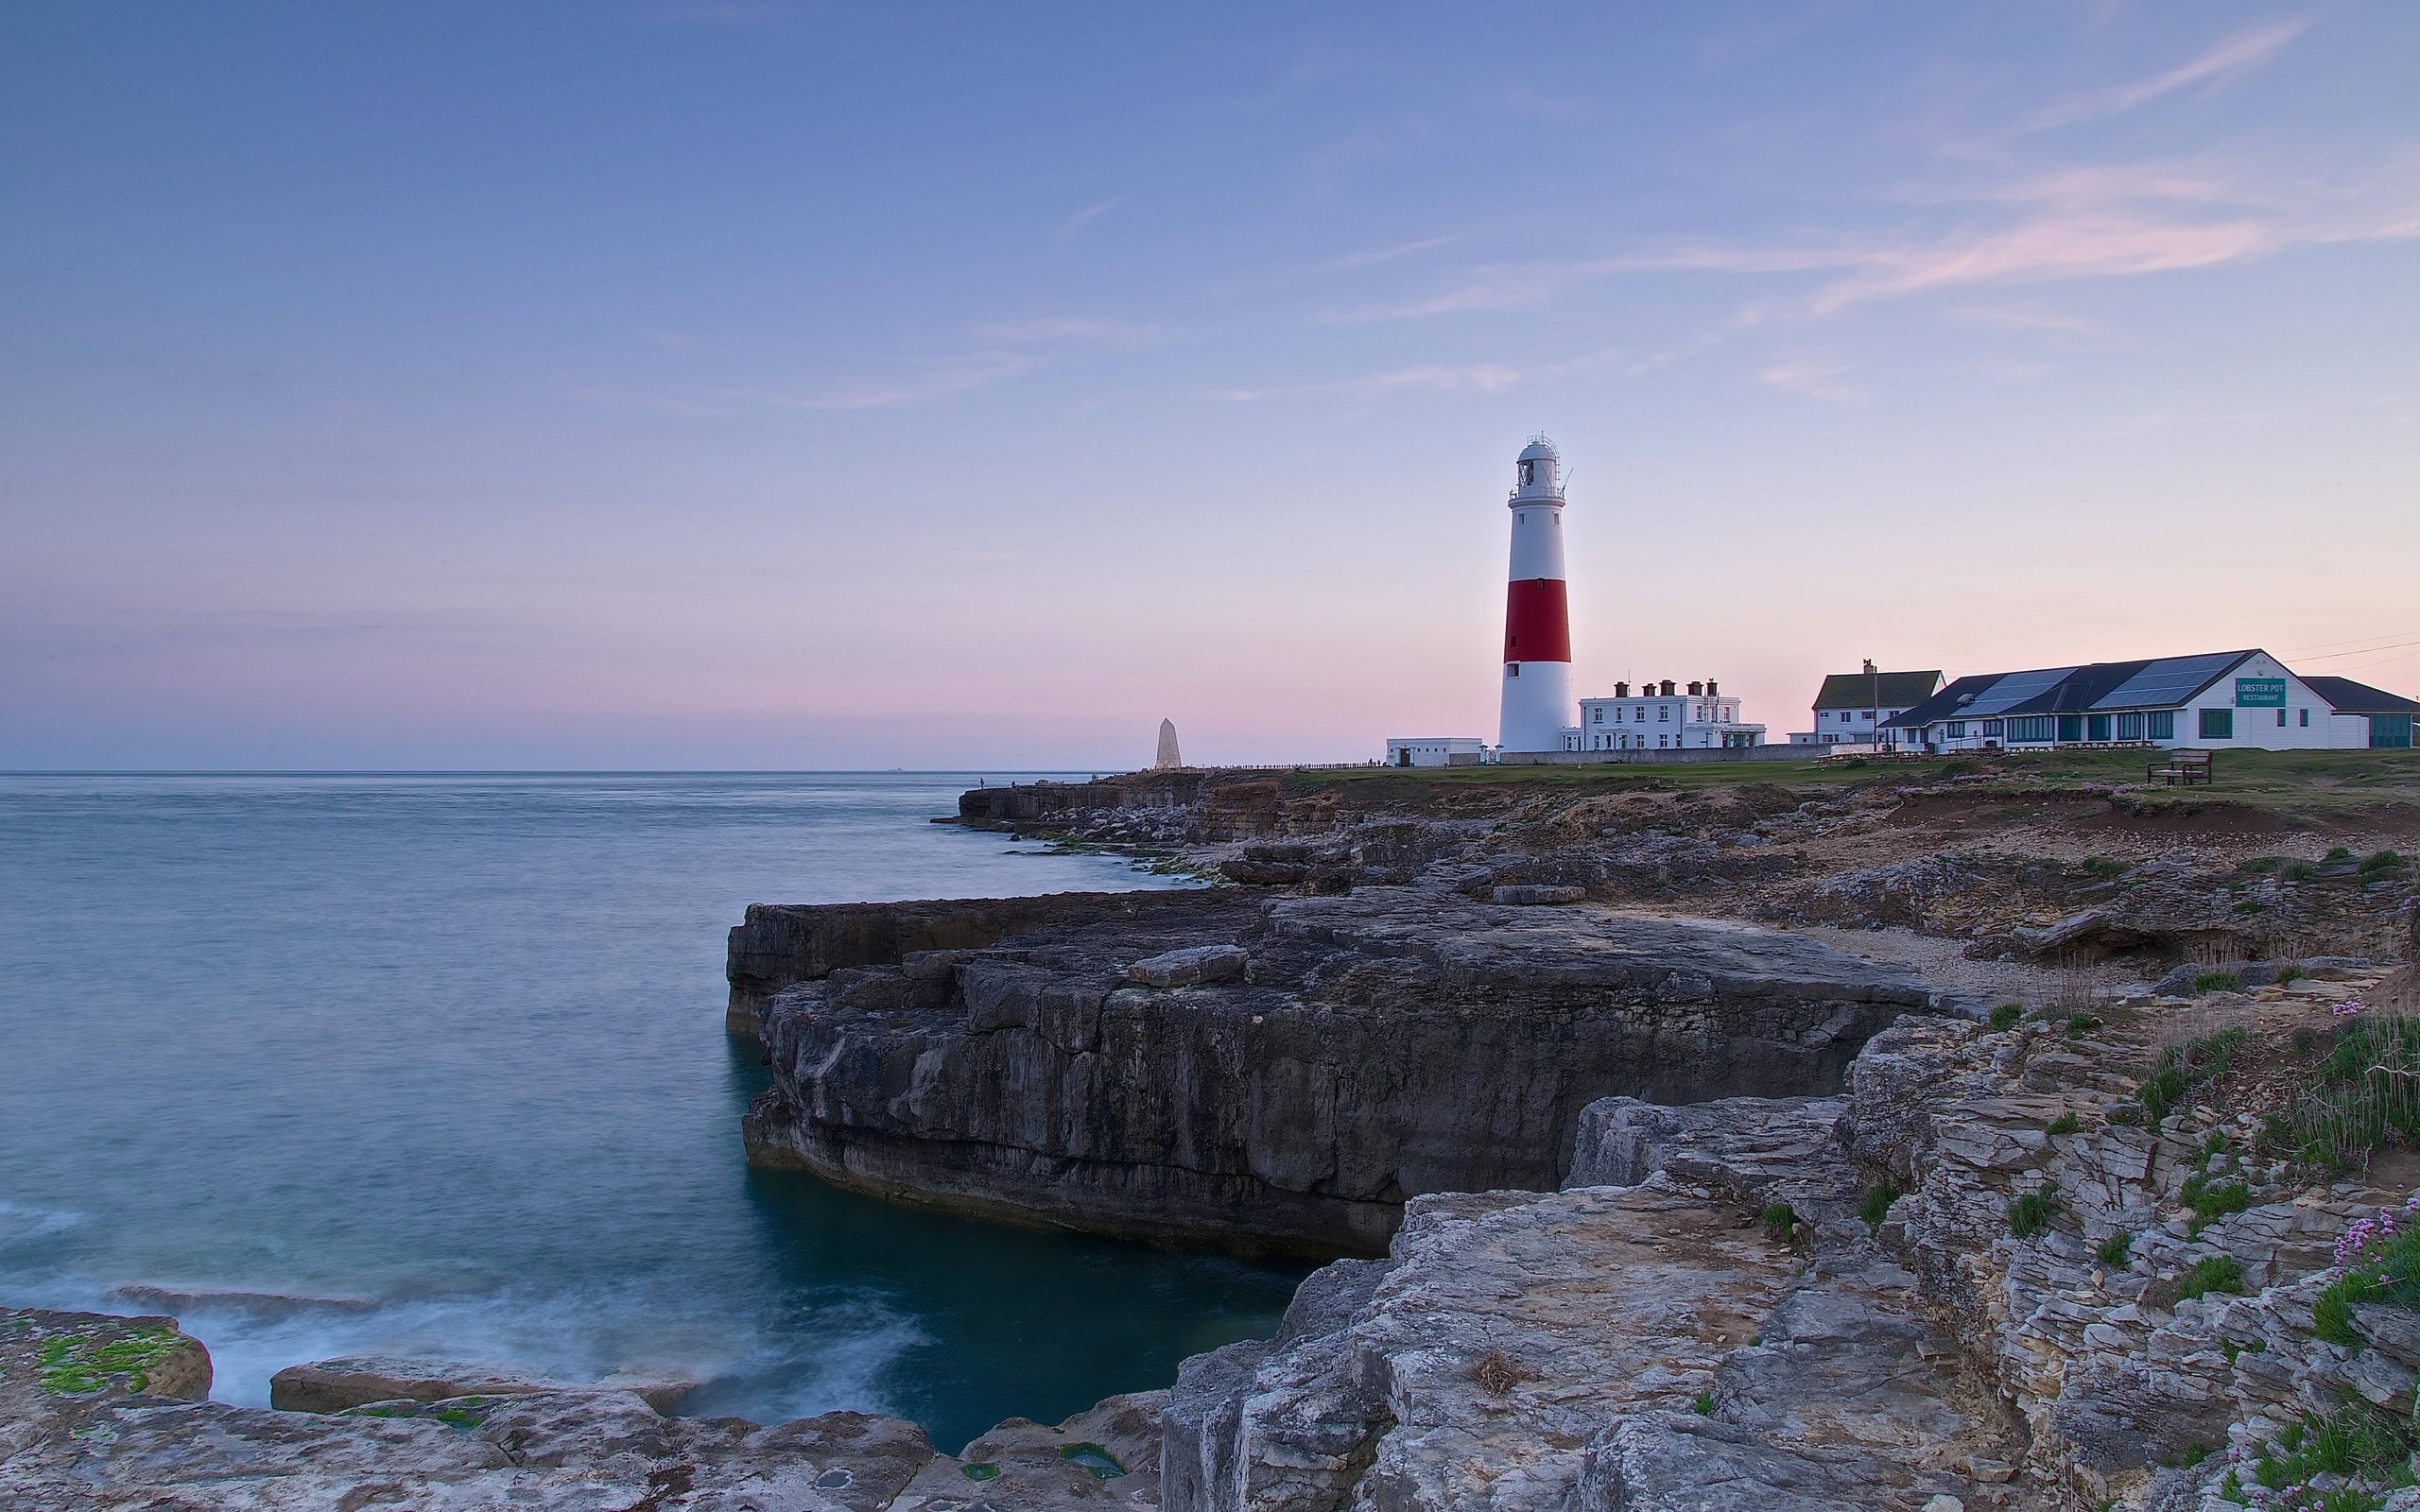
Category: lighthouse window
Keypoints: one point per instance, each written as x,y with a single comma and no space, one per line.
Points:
1511,669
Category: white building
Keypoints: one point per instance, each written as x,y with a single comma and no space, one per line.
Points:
1659,717
1435,751
1853,708
2218,701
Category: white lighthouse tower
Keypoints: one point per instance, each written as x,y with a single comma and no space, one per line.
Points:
1537,611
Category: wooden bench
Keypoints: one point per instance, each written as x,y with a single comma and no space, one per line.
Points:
2182,768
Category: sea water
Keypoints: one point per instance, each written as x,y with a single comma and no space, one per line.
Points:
435,1064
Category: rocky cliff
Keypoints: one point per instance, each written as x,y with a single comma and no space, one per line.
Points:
1286,1072
2008,1269
778,944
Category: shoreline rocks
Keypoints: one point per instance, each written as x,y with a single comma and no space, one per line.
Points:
1311,1064
335,1386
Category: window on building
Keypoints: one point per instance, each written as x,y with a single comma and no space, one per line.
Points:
2036,727
1597,716
1868,717
1511,669
2281,719
2163,724
1995,728
1954,730
2097,728
2071,726
1664,712
2217,724
2305,720
2130,726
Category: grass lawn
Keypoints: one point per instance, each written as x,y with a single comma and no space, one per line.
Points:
2323,780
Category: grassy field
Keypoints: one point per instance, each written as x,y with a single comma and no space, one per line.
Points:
2326,781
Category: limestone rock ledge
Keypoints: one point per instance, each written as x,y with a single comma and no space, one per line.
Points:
1346,1054
1648,1347
1819,1305
99,1413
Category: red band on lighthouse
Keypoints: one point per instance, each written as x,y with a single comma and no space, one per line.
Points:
1537,621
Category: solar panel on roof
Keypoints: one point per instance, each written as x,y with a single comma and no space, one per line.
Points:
2171,680
2015,688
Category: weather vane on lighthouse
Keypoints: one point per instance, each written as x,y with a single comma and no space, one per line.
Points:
1537,611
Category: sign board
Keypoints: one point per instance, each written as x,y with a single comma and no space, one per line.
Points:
2260,693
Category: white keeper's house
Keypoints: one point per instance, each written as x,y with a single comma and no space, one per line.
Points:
1661,717
1851,708
2218,701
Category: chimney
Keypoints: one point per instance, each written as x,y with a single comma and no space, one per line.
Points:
1621,690
1868,668
1668,687
1710,690
1696,689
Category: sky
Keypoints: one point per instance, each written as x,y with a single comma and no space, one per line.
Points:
739,384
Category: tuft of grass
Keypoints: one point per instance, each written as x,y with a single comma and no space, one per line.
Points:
2006,1015
2081,1024
2382,862
2302,871
2216,982
2289,973
2103,867
1876,1206
2249,906
2185,1067
2366,1087
1702,1403
2029,1215
1780,1224
2260,866
2370,1449
2211,1273
2065,1123
2117,1251
2342,853
982,1469
2213,1200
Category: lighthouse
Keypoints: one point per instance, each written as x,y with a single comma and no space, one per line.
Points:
1537,613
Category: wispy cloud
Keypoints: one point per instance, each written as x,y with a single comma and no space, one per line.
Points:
2028,318
929,381
2235,56
1000,351
1372,258
1065,331
2059,225
1067,228
1815,378
1484,377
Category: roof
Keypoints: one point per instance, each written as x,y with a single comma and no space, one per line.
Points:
1539,447
1876,690
1955,701
2162,682
2347,697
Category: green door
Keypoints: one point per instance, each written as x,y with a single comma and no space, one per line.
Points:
2099,727
2391,731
